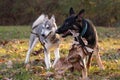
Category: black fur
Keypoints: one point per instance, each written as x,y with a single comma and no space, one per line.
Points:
90,34
71,11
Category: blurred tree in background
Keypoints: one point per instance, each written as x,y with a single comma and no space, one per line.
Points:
24,12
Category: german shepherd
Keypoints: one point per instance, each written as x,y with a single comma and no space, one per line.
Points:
78,23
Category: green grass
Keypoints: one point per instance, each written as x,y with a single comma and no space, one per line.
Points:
14,45
13,32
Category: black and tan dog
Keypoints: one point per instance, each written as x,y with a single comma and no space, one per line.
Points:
85,28
76,60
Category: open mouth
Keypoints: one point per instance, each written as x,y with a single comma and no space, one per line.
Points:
48,34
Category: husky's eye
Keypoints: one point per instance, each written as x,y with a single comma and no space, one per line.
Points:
47,26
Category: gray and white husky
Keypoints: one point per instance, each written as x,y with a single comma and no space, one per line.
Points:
43,29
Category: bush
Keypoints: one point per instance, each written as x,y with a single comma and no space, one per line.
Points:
24,12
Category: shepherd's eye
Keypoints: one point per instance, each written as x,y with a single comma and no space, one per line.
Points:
67,23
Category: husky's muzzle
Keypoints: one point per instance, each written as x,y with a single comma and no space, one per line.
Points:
46,33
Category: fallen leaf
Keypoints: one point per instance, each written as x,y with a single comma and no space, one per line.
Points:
118,50
38,52
3,43
22,42
7,79
9,64
116,60
37,69
49,74
61,66
2,60
58,76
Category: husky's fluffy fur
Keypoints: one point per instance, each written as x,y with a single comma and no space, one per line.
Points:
43,29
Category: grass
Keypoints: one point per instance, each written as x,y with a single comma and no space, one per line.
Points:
14,44
12,32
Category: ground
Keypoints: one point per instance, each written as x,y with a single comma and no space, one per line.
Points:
14,45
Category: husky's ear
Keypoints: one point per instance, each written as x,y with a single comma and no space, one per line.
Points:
52,19
71,11
39,20
46,17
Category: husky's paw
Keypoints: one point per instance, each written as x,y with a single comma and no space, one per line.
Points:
26,61
102,68
27,66
85,78
52,66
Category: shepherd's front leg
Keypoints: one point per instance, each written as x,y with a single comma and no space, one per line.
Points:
98,59
84,71
57,56
89,61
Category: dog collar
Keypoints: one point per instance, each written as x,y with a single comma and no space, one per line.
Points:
84,30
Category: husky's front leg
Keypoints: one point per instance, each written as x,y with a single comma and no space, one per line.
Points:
32,42
57,56
47,59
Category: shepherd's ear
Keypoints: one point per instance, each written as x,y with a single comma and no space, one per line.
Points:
71,11
81,13
52,19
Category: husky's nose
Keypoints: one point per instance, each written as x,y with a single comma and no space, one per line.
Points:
43,35
56,31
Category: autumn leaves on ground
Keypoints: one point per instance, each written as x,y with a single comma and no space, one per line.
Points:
14,45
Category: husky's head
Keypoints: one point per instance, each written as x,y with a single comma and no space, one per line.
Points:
69,22
49,27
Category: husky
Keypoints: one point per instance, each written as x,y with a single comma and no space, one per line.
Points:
85,28
43,30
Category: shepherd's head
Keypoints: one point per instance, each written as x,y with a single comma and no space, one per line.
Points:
70,21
